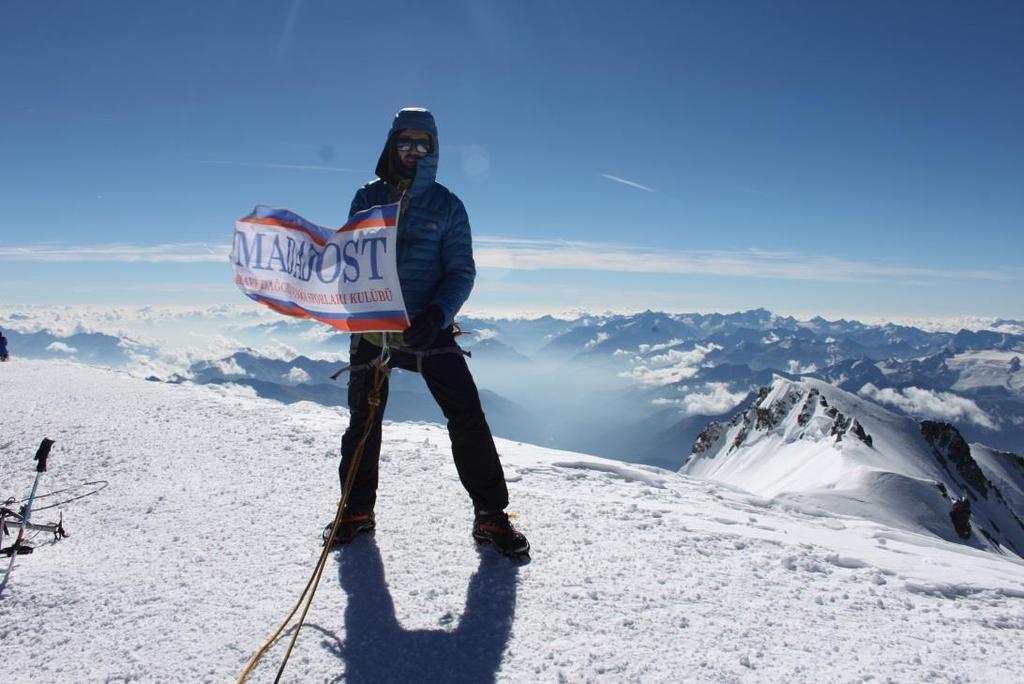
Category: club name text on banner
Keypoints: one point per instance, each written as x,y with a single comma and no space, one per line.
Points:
346,278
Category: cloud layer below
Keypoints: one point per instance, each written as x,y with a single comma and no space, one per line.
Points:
714,399
923,403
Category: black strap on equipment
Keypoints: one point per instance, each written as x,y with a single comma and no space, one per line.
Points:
42,454
419,354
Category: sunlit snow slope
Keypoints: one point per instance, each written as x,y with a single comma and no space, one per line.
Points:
182,566
810,443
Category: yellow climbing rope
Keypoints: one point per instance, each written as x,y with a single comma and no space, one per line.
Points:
381,372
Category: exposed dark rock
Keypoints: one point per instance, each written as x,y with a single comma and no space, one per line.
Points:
742,434
770,417
1015,364
858,430
707,438
960,514
839,426
808,408
766,418
950,448
842,425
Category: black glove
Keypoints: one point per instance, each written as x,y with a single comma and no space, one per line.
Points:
425,327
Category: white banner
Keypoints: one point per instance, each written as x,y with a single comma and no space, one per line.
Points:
346,278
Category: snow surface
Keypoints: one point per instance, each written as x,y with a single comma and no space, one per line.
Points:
210,527
796,457
989,368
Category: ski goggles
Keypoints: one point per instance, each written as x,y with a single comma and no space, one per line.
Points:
421,147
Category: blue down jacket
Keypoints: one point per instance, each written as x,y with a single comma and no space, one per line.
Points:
435,248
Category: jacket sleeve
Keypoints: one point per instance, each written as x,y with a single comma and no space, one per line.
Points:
359,202
457,265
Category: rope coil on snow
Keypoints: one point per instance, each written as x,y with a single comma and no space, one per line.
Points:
380,375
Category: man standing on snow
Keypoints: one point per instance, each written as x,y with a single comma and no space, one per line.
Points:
436,270
3,346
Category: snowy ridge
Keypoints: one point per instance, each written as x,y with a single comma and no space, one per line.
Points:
809,442
210,525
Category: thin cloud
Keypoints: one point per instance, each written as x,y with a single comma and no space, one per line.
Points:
284,44
514,254
286,167
534,255
184,252
627,182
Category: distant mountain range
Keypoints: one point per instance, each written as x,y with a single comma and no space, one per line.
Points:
641,387
88,347
970,378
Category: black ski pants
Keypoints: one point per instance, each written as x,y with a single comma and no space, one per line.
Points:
451,384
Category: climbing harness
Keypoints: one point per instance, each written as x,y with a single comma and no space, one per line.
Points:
419,354
381,371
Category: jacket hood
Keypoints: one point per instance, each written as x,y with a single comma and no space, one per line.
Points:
426,168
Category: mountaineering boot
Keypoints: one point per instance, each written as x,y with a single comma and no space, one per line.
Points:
496,529
352,523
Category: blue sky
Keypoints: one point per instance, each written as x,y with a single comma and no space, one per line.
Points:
846,159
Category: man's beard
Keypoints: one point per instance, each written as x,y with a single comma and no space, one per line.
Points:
401,169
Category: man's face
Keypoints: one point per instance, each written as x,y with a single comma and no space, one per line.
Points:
411,155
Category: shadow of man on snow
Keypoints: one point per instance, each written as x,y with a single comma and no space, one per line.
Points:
378,649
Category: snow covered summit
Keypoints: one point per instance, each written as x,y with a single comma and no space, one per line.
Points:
210,526
812,444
